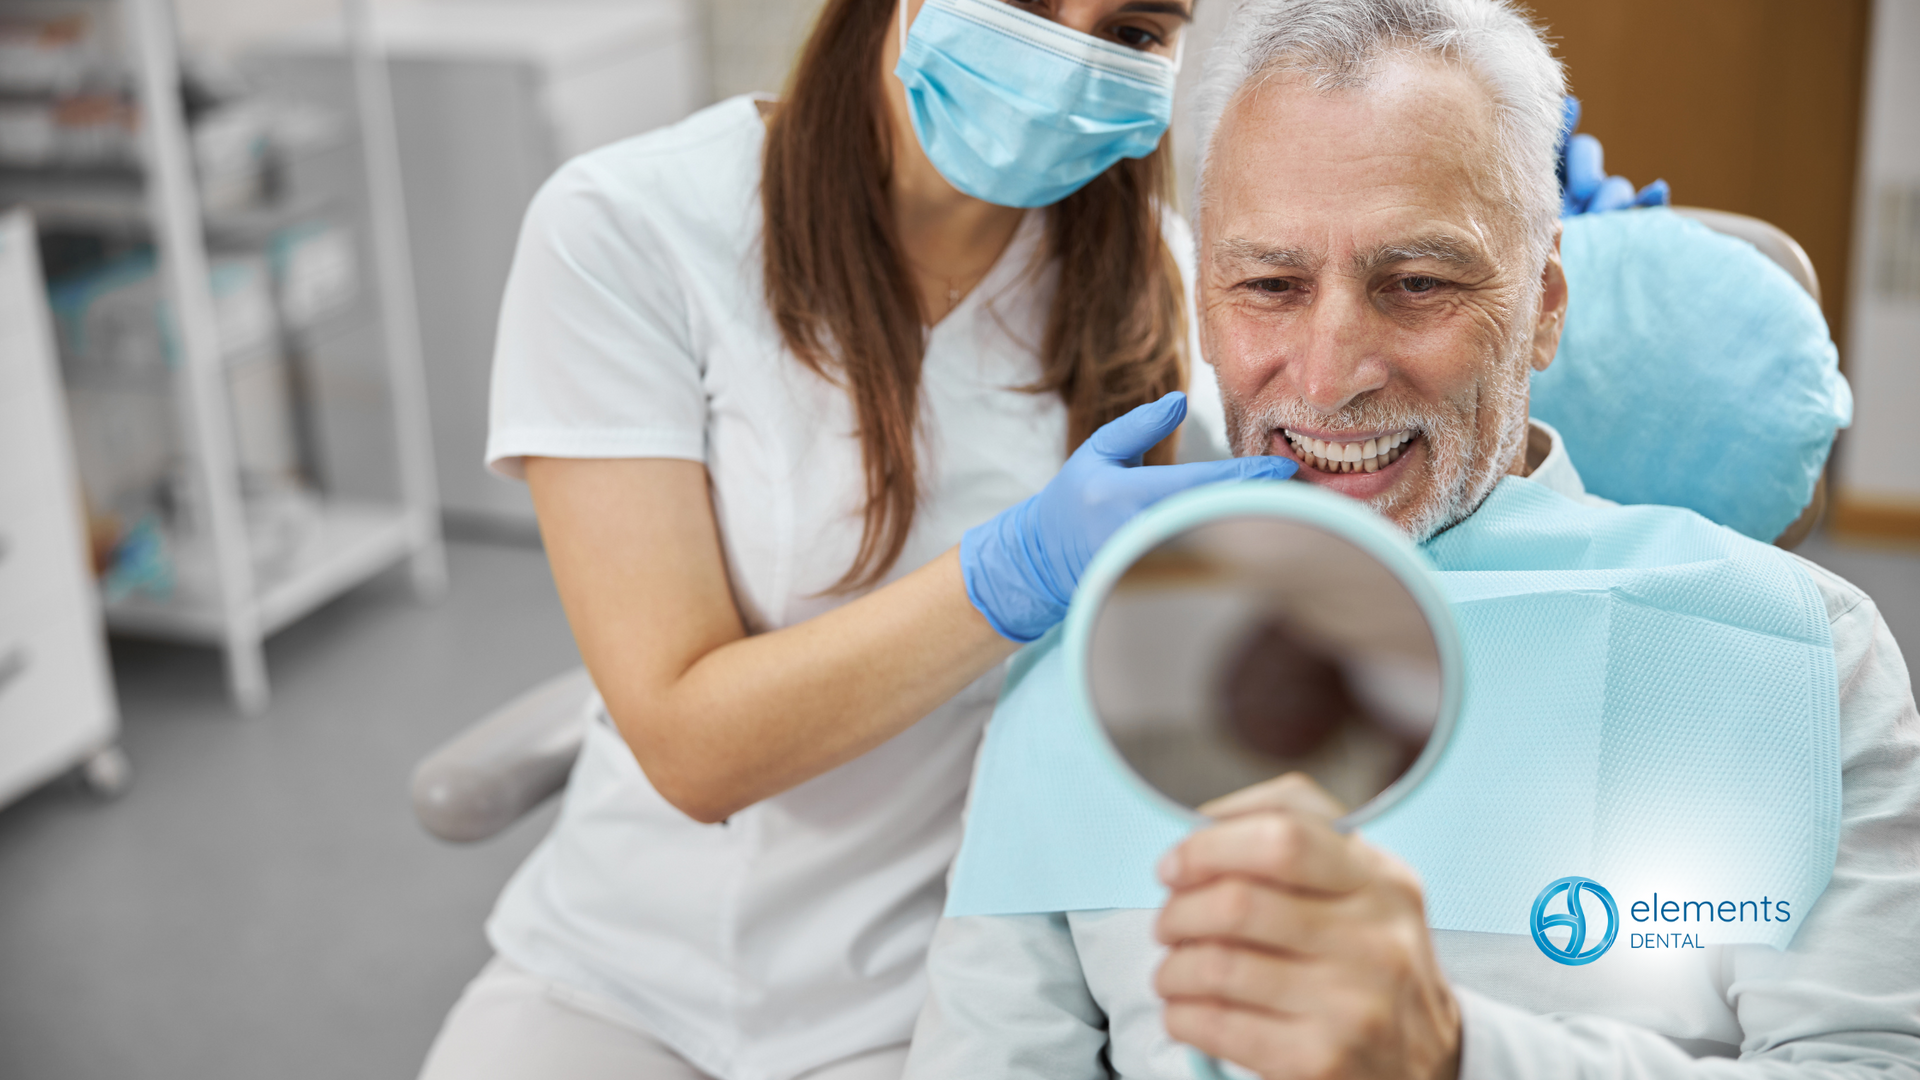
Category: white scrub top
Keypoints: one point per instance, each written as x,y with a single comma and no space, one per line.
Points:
634,326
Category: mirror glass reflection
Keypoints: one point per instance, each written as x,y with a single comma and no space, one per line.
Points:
1246,648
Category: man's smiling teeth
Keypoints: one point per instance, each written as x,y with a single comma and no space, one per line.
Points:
1369,455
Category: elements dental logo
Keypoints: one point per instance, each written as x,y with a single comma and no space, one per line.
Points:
1575,951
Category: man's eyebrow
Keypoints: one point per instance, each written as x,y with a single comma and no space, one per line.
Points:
1243,250
1156,7
1440,247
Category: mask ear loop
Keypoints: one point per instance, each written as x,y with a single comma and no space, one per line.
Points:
903,27
1179,47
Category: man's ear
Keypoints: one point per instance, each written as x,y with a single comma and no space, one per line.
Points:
1553,308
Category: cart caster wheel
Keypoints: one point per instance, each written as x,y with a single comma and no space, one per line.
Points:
108,773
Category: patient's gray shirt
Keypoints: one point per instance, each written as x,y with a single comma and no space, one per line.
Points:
1069,996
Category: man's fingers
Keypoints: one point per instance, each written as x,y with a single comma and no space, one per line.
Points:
1270,1044
1246,978
1289,849
1243,910
1295,791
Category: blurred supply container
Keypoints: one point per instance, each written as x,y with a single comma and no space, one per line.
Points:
230,155
490,97
77,131
119,362
50,48
96,129
315,273
63,90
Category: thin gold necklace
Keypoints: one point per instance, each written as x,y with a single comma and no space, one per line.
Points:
952,283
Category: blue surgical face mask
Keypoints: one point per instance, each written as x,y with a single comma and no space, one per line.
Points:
1020,111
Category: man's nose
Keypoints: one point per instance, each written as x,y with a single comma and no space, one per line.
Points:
1339,360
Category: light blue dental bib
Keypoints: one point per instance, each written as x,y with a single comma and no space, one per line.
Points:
1649,702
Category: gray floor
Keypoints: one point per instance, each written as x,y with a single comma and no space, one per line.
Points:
262,903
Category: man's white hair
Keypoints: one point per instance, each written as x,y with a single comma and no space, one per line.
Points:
1340,44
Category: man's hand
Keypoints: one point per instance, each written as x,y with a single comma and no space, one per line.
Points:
1298,951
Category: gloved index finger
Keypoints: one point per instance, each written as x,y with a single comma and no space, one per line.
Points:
1569,118
1166,480
1586,166
1139,430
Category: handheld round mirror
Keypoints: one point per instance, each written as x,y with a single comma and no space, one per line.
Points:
1247,631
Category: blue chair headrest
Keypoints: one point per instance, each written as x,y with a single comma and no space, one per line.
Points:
1693,372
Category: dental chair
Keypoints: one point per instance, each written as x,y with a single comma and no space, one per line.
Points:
489,776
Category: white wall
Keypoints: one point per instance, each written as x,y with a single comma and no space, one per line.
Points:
752,42
227,26
1208,18
1883,356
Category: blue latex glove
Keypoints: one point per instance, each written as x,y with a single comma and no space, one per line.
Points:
1021,567
1585,187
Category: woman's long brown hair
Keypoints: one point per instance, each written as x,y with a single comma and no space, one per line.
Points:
838,284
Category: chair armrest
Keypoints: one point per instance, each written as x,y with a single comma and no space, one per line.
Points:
489,775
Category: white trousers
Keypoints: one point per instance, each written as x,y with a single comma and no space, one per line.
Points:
510,1024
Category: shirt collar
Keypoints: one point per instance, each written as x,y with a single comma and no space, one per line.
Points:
1556,470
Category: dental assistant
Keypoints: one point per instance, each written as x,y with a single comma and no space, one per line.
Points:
792,384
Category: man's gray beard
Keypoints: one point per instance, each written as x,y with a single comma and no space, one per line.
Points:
1464,471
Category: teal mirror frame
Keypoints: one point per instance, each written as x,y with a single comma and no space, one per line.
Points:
1294,501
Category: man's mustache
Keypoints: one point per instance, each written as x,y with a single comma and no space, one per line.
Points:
1258,421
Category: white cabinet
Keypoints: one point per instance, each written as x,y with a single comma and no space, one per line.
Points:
57,706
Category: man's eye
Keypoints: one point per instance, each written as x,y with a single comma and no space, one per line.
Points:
1273,285
1419,284
1136,37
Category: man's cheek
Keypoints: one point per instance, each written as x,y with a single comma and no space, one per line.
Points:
1435,364
1460,334
1247,353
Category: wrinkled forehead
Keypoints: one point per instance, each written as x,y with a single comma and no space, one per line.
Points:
1408,151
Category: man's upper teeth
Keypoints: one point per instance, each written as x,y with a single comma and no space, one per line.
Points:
1364,455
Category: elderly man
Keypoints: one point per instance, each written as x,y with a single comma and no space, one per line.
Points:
1378,274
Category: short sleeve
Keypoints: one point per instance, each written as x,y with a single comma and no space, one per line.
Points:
594,357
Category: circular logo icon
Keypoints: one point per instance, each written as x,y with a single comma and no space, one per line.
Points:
1575,950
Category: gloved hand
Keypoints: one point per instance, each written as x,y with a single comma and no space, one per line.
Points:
1021,567
1585,187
